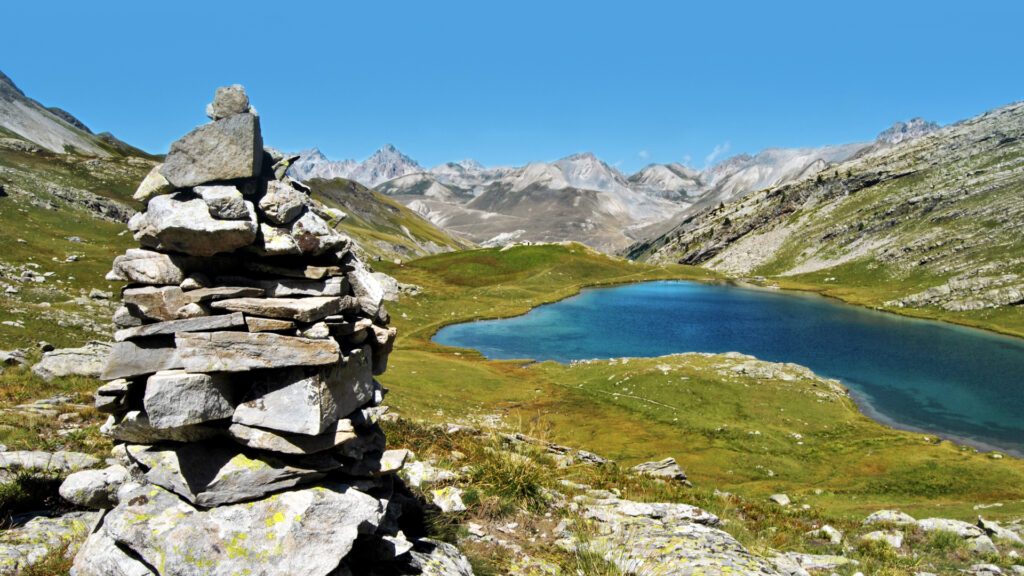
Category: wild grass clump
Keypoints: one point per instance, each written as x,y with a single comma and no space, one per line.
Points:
57,561
30,490
579,557
517,480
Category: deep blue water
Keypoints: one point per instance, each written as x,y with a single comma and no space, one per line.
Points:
958,383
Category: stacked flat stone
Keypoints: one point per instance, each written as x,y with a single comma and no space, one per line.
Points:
241,390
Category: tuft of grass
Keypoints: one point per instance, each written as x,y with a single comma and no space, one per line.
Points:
57,561
30,490
517,480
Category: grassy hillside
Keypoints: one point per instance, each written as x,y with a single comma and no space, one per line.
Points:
381,226
52,225
734,424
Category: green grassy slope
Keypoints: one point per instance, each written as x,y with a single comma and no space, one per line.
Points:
729,425
43,233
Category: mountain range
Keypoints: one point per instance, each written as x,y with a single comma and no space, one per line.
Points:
932,220
580,197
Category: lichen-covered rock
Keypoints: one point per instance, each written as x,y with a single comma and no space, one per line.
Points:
94,488
893,517
213,474
134,427
448,499
26,545
958,527
434,558
797,563
99,555
892,538
668,539
281,535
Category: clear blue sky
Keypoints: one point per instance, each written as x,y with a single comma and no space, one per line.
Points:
511,82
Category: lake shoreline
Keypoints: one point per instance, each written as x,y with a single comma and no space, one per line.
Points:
863,404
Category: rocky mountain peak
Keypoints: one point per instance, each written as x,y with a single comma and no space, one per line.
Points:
7,87
902,131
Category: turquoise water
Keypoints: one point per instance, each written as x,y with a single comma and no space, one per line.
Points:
958,383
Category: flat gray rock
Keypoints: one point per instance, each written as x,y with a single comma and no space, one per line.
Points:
211,474
99,555
244,351
94,488
224,202
88,360
335,286
140,357
894,517
667,469
958,527
182,222
436,558
201,295
282,535
112,397
368,291
222,150
58,462
309,309
199,324
285,443
256,324
305,400
159,303
175,398
148,267
134,427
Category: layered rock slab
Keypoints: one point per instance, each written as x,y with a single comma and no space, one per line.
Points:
305,532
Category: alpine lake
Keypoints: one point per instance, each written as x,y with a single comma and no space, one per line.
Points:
958,383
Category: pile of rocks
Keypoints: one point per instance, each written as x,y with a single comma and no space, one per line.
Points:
242,394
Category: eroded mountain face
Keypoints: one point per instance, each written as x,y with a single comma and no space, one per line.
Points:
939,217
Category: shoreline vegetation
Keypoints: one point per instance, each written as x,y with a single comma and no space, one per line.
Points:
859,464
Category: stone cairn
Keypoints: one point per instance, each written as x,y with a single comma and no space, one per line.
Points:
242,397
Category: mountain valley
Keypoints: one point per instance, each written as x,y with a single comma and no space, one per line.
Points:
924,221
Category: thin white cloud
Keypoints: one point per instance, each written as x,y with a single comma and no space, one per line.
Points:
687,159
719,151
644,154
